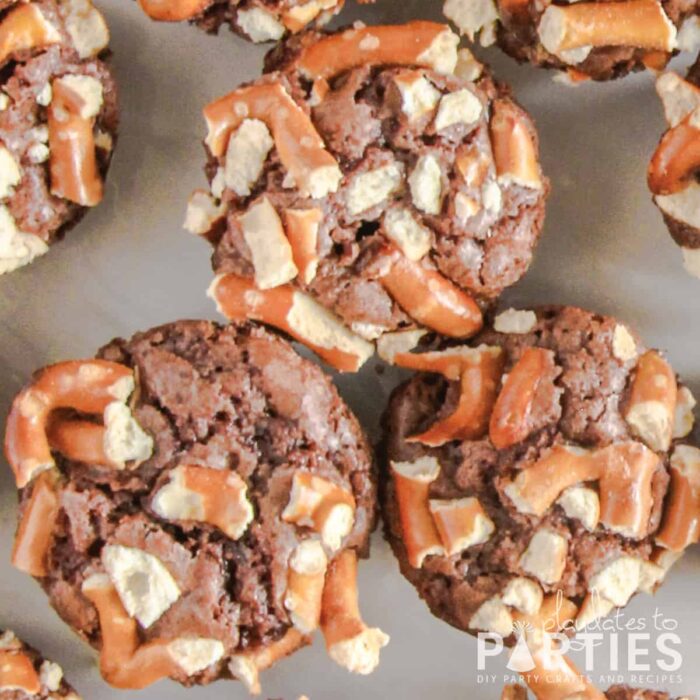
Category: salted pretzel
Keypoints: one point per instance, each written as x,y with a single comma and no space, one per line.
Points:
593,39
338,245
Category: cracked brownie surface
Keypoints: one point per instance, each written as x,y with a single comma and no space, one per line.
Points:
527,476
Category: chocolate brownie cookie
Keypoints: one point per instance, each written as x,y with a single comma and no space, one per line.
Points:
193,502
256,20
674,167
539,475
374,179
24,673
58,122
598,39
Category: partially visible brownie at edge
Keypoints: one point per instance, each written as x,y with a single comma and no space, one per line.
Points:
533,470
234,481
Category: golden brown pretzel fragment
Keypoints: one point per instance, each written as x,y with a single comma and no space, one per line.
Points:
88,386
173,11
305,581
73,162
412,483
17,672
431,299
295,313
350,643
676,159
302,151
681,525
514,150
24,28
414,43
35,531
479,371
639,23
509,420
321,505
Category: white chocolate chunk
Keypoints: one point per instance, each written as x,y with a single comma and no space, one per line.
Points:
460,107
50,676
38,153
45,95
371,188
624,345
418,96
218,183
688,38
319,326
652,422
581,503
273,259
8,640
493,616
492,196
125,440
684,418
4,101
425,183
515,321
545,556
618,581
194,654
145,587
202,213
89,90
412,238
468,67
684,206
441,55
524,595
16,247
259,24
471,16
104,140
678,96
390,344
10,173
86,26
246,154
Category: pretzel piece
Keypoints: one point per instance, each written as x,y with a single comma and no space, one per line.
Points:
419,533
88,386
681,525
35,531
217,497
676,159
571,31
73,162
431,299
246,666
313,169
320,504
418,43
169,11
651,408
78,440
24,28
556,613
350,643
305,581
479,371
624,472
514,148
301,226
509,420
294,313
17,673
461,523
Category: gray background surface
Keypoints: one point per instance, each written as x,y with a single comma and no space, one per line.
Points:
130,266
